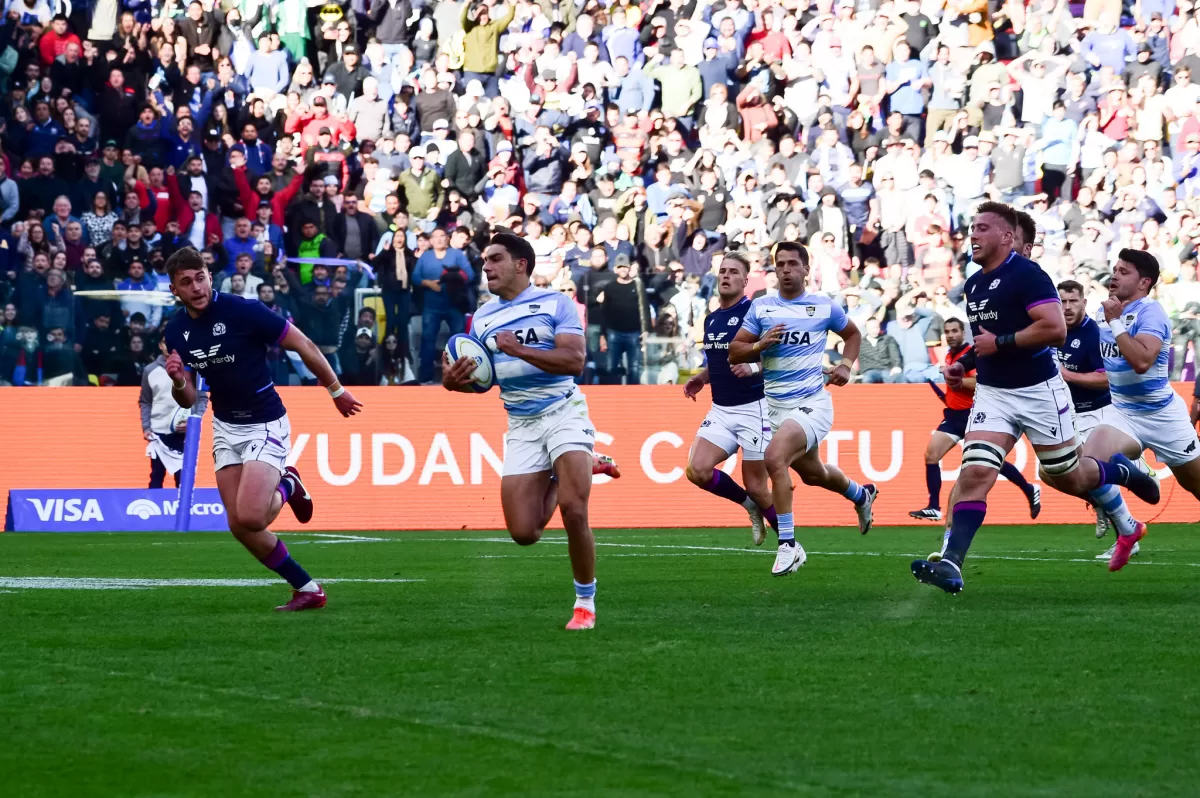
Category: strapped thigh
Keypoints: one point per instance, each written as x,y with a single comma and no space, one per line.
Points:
984,454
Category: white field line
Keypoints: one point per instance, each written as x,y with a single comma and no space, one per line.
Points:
766,550
101,583
514,736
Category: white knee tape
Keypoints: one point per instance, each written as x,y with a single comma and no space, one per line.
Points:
984,454
1057,462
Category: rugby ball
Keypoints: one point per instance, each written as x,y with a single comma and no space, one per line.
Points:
484,376
180,416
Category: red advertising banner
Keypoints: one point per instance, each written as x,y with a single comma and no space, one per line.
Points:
423,458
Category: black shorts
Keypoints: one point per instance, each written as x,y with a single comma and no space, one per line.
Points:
954,423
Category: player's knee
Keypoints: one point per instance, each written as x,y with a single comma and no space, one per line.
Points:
777,463
574,512
525,536
699,475
250,522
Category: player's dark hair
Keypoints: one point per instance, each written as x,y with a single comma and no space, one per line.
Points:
184,260
953,320
1027,225
1145,263
790,246
738,257
518,248
1071,287
1005,212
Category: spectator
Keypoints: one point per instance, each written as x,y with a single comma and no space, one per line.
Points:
445,277
622,307
879,358
911,331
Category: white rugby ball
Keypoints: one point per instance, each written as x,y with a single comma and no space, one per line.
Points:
484,376
180,416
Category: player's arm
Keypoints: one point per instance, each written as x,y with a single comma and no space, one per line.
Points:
696,383
183,384
568,356
747,347
851,343
1090,379
1049,328
298,342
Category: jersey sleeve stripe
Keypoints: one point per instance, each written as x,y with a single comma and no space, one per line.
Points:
287,325
1045,301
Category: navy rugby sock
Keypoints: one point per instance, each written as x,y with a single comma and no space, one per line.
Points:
968,517
282,563
933,481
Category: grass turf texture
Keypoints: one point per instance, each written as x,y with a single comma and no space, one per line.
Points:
705,675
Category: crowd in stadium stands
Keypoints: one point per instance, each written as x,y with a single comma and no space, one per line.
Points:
346,162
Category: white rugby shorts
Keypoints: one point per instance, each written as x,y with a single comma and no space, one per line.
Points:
1044,412
533,443
738,426
1087,421
1167,432
813,413
235,444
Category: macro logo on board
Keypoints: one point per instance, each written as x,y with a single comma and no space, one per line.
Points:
143,509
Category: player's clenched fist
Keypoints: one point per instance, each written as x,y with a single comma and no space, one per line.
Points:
1112,308
840,374
954,375
175,370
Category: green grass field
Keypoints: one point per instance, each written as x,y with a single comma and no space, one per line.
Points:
1047,676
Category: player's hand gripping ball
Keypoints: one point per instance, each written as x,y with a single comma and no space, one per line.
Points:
483,377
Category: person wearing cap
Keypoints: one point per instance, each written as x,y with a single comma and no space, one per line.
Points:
422,190
680,83
348,73
333,156
623,312
482,27
1143,64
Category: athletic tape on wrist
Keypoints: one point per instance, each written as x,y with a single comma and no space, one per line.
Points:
335,392
755,368
1117,326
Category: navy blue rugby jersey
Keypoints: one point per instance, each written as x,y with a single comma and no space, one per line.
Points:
999,301
720,328
1081,355
227,346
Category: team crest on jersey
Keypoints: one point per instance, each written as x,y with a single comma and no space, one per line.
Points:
1075,344
733,321
219,328
810,310
995,283
1129,317
534,308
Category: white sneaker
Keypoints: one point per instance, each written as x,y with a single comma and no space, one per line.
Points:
788,559
758,527
864,509
1101,523
1107,555
936,556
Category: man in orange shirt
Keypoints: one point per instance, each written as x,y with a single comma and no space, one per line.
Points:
958,403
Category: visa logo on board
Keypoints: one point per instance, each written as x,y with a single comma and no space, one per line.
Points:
67,509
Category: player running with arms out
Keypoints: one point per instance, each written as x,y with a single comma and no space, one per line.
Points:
954,427
788,331
1135,341
1082,368
738,418
224,338
1016,319
538,347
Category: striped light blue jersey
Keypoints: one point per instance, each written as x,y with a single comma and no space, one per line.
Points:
535,316
1132,391
792,367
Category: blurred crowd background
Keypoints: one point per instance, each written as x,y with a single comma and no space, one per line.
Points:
345,163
